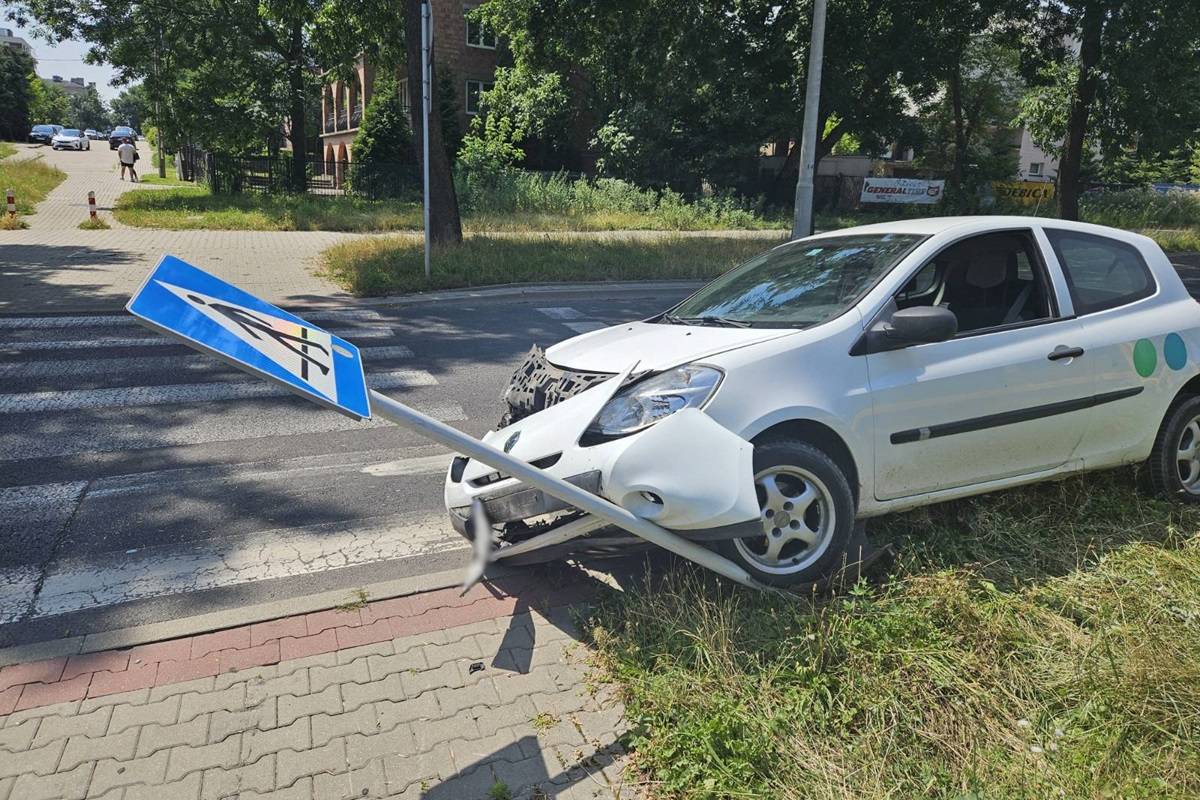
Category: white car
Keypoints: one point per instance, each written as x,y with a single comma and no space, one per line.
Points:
70,139
856,373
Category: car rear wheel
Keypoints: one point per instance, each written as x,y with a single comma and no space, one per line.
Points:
1173,470
806,513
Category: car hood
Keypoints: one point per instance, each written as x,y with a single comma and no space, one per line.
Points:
653,346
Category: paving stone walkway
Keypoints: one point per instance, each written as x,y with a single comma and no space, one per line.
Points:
429,696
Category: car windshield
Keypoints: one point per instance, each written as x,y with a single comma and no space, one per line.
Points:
797,285
70,132
43,129
123,131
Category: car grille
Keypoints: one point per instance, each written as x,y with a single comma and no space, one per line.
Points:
537,384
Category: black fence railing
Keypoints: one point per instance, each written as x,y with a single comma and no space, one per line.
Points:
226,174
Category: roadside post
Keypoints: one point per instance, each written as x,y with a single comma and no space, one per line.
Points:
802,222
217,318
12,203
426,103
92,205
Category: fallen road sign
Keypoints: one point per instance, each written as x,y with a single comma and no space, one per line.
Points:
214,316
222,320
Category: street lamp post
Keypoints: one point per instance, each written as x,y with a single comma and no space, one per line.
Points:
426,101
802,223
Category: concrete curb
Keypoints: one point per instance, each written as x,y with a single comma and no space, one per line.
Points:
219,620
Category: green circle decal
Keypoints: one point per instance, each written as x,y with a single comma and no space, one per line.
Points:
1175,351
1145,358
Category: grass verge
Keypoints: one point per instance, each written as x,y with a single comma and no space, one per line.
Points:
191,208
392,265
97,224
31,180
1043,642
7,149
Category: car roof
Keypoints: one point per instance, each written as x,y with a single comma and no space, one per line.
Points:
932,226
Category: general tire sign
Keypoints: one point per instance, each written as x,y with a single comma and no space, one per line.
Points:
902,190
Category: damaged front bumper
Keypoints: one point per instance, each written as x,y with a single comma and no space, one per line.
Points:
686,473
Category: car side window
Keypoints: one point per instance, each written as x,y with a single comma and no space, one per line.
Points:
988,281
1101,273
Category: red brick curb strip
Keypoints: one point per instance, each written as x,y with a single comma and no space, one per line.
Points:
60,680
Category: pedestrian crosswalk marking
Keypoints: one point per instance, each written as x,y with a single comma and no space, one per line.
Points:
586,326
121,320
130,396
191,362
562,313
108,342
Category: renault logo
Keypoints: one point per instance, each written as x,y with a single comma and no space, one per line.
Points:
512,442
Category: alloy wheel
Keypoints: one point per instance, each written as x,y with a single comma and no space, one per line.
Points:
798,521
1187,456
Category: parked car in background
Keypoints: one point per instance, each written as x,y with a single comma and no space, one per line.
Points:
41,134
119,134
70,139
857,373
92,134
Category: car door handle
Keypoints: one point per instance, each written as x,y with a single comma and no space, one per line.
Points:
1060,353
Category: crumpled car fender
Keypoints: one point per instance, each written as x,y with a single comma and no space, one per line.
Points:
685,472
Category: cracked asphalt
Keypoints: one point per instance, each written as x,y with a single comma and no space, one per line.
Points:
141,481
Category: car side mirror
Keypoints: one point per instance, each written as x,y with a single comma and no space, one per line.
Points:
895,328
922,325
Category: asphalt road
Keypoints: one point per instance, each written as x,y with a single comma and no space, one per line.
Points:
141,481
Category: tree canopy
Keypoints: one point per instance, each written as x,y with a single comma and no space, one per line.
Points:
15,93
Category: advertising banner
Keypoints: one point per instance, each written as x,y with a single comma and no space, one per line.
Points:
1027,193
901,190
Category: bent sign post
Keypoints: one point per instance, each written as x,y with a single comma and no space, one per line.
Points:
222,320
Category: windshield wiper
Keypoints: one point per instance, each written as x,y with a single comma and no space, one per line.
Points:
726,321
671,319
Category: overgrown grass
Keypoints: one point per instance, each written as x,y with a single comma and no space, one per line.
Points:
508,201
7,149
1038,643
31,180
195,208
523,200
97,224
390,265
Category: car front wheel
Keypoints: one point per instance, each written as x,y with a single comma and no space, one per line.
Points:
1173,470
806,514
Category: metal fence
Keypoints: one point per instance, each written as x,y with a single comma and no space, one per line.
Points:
227,174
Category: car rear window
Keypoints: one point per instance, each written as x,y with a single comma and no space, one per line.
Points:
42,129
1102,273
70,132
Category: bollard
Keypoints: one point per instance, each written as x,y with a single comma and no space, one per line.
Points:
92,205
12,204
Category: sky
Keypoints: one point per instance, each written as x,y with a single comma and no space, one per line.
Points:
65,59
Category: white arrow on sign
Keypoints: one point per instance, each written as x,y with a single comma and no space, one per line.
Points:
306,353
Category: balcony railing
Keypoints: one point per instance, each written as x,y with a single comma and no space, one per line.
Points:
356,117
343,121
329,124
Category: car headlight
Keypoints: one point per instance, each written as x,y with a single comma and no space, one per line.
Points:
644,403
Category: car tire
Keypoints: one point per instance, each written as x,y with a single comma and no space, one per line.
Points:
1178,434
810,546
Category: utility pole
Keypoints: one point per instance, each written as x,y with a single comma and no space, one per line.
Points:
802,223
162,166
426,47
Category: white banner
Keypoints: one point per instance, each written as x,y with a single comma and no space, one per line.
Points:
901,190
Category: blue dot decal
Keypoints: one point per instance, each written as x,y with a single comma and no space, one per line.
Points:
1175,351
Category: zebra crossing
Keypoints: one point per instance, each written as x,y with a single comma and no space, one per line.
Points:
136,471
168,517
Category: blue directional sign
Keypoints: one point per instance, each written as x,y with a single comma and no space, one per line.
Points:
218,318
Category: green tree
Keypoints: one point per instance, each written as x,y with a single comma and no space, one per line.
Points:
1127,81
131,107
15,93
968,128
47,102
383,148
519,108
86,110
675,92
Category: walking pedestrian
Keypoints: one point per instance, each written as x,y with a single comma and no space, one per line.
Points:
127,154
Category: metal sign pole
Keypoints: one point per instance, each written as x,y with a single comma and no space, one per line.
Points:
402,415
426,37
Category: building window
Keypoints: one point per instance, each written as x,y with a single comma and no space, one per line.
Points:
478,34
475,90
1035,168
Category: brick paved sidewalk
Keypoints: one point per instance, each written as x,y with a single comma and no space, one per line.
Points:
426,696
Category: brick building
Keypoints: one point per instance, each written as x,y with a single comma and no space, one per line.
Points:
463,50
